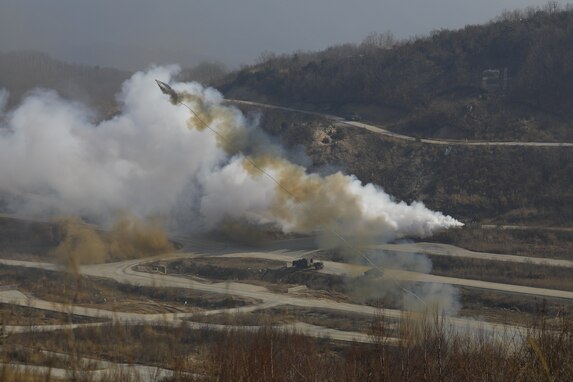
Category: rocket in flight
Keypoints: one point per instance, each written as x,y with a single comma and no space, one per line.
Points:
168,90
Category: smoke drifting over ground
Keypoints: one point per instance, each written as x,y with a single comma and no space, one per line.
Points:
129,238
147,161
154,160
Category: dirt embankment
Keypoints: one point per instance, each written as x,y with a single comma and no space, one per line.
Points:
27,240
528,242
512,185
62,287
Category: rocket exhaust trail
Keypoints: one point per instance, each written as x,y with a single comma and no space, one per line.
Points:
176,99
168,90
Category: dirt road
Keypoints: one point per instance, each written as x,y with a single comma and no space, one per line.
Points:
337,268
380,130
162,319
123,272
438,249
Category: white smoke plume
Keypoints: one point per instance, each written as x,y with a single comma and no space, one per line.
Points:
440,298
152,159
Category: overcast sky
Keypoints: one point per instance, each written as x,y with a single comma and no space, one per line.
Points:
132,34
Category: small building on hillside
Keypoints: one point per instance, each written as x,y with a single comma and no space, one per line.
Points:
495,80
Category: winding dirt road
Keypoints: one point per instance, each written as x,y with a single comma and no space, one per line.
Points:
124,272
337,268
438,249
283,250
380,130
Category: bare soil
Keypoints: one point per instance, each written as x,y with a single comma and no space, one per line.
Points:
23,315
288,314
533,275
529,242
27,240
110,295
512,308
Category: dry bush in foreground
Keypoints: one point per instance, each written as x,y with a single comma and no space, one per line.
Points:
429,350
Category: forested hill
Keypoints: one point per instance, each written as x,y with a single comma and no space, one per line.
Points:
433,86
21,72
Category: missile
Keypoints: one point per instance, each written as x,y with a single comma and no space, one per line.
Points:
168,90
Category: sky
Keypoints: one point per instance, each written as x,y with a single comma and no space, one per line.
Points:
133,34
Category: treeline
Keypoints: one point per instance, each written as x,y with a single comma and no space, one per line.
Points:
21,72
410,76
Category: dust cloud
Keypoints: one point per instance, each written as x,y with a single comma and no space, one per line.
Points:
81,243
131,238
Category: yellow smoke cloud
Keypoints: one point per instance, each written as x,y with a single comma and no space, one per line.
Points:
132,238
79,244
129,238
305,202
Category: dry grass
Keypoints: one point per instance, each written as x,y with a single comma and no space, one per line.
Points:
509,308
289,314
429,350
274,275
107,294
10,375
527,274
530,242
173,348
32,356
27,240
23,315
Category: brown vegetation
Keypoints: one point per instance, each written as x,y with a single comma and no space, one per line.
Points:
523,242
273,274
171,347
27,239
431,86
428,350
22,315
527,274
510,185
516,309
107,294
289,314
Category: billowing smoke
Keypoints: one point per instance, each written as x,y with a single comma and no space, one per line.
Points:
156,159
56,160
269,188
146,160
